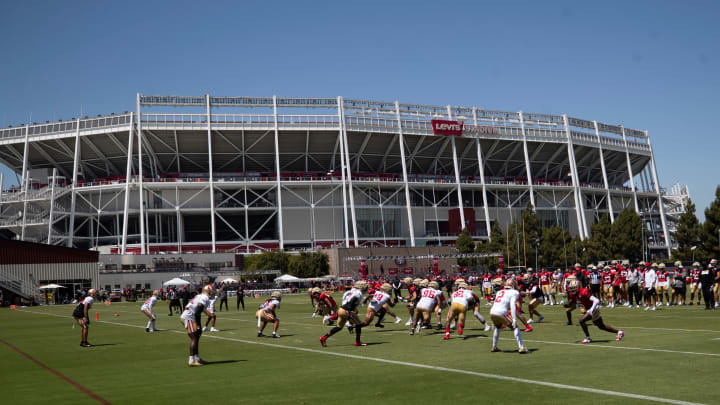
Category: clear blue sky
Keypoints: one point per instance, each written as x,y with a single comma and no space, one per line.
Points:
644,64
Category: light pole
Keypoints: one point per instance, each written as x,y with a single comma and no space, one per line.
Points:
693,253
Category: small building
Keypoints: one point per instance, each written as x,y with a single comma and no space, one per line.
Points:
25,267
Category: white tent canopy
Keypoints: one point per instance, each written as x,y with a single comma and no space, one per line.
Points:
286,278
229,281
50,287
176,281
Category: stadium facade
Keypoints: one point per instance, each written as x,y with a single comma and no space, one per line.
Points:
206,173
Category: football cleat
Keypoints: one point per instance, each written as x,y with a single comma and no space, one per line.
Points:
275,335
212,329
147,329
260,334
412,332
85,344
586,340
398,320
205,329
360,344
326,319
523,350
487,327
195,363
528,329
379,325
540,318
495,350
620,335
409,322
323,341
446,337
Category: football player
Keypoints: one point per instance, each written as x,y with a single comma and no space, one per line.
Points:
461,300
377,305
506,301
431,297
348,312
536,297
326,305
190,319
210,311
266,314
695,283
82,315
662,285
592,312
412,298
556,283
147,309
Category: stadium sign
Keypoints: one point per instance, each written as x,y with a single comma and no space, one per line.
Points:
447,128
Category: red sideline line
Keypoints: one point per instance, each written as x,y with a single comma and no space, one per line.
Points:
76,385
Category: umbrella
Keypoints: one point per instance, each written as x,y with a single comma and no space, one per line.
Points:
176,281
50,287
229,281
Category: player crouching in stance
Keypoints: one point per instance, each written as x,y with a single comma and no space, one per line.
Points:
591,303
461,299
82,315
326,306
348,312
506,300
191,321
430,297
147,309
378,305
266,314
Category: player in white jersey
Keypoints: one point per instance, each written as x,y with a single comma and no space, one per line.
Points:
210,311
266,314
191,321
147,309
378,304
348,312
460,300
506,303
82,315
430,298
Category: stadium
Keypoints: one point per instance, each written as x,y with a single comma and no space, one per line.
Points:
243,174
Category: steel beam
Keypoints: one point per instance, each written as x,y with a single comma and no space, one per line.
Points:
405,179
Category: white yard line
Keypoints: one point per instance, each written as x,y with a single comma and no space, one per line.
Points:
436,368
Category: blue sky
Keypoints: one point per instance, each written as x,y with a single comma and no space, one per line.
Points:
644,64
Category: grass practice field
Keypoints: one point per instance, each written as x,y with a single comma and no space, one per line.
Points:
670,355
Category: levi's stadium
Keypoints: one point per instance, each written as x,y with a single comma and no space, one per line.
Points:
244,174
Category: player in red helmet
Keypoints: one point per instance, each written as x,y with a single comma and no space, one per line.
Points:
582,296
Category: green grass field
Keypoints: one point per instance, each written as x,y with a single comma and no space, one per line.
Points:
668,355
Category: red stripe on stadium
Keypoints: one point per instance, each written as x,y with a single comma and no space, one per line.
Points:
57,373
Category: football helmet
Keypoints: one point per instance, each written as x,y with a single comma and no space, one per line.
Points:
92,292
424,283
361,285
661,266
156,293
573,285
497,282
209,291
677,263
386,287
316,291
417,282
460,280
434,285
696,264
407,280
511,283
277,295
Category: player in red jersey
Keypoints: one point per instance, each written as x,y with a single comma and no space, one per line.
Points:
326,305
582,296
545,279
623,283
616,287
695,285
662,284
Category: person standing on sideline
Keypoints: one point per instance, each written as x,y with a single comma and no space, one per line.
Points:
147,309
707,278
633,291
82,315
223,297
396,286
650,284
240,296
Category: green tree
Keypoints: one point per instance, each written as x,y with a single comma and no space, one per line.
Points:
687,234
465,244
496,244
554,246
578,252
531,231
626,236
308,264
710,246
269,260
599,246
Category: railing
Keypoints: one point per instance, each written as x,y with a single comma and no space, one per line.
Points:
16,285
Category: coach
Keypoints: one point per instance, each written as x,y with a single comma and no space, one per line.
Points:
633,277
707,279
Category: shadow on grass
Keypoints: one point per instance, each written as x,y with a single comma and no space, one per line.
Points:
104,344
210,363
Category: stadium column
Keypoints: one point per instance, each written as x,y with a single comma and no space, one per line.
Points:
342,172
527,160
579,208
405,178
481,166
659,196
24,185
604,173
211,180
277,174
73,192
630,172
128,178
52,204
346,156
457,174
140,178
